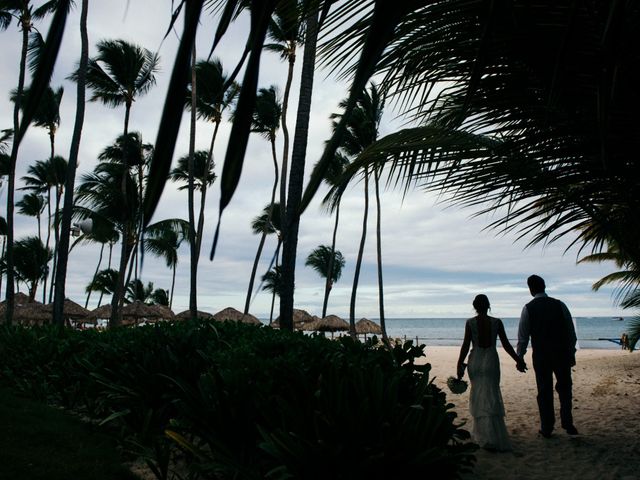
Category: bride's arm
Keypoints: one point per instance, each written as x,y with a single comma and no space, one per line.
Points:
464,350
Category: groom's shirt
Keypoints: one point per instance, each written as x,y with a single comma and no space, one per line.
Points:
543,314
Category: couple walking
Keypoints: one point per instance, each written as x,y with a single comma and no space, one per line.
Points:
548,323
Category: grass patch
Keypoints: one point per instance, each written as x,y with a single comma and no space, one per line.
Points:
40,442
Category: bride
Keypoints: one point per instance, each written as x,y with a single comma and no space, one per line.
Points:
485,399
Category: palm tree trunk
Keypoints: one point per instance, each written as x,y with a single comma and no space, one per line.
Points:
291,222
383,327
118,295
56,240
173,284
328,282
46,276
285,136
273,294
193,265
12,177
108,266
356,275
263,237
86,303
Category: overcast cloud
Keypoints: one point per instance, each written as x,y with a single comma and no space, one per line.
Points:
436,259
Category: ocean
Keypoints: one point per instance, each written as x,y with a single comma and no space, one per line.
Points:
592,332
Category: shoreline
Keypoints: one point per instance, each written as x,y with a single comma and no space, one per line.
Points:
606,392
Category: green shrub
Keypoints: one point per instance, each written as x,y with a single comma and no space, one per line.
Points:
246,402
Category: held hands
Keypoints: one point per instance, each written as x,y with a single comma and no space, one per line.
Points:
521,366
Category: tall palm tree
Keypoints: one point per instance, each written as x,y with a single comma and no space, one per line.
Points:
329,263
266,121
332,177
213,95
41,178
32,205
361,132
264,224
121,72
3,234
65,224
100,194
163,239
314,18
285,34
24,13
32,263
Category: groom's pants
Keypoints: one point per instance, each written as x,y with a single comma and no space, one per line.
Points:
546,367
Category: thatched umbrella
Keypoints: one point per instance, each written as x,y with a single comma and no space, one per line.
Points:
71,310
331,323
364,325
301,320
186,315
164,312
134,311
234,315
103,311
33,313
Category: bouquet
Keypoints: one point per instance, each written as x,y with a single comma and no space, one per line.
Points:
457,385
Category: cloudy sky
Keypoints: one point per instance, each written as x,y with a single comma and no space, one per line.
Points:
436,256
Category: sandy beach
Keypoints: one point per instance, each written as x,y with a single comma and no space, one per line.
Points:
606,390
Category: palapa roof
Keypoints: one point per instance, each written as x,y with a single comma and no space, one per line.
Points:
330,323
234,315
70,309
301,319
164,312
186,315
364,325
33,313
104,311
140,309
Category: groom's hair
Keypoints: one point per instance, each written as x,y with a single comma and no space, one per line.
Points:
536,284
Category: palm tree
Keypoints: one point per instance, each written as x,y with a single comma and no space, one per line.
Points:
104,232
264,224
41,177
361,132
163,239
265,121
285,33
213,94
117,76
100,194
104,282
24,13
47,115
291,223
3,234
160,296
65,224
138,291
272,282
333,175
203,174
329,263
32,263
32,205
119,73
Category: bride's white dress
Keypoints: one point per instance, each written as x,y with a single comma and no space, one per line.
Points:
485,400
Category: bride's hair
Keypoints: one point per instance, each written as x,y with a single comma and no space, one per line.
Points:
481,303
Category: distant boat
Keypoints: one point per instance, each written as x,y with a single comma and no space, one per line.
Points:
618,319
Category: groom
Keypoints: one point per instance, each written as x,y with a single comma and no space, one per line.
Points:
553,341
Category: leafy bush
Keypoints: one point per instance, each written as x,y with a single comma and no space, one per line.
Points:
246,402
